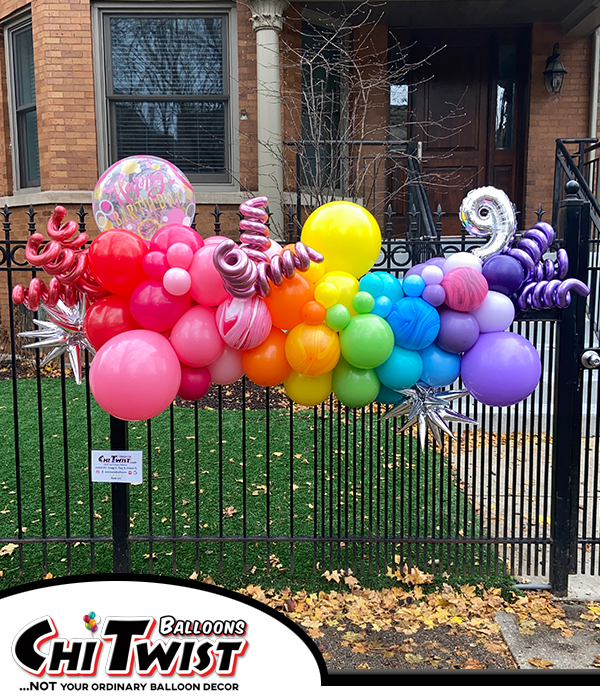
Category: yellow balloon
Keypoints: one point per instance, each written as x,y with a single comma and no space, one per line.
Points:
346,286
308,391
346,234
312,350
314,272
327,294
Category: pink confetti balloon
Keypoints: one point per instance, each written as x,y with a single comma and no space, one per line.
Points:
244,323
152,307
207,286
227,368
195,383
177,281
135,375
180,255
195,337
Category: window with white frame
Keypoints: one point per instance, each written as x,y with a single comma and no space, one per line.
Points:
23,115
167,93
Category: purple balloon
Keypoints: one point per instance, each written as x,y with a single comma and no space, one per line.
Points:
503,273
458,331
501,369
434,294
416,269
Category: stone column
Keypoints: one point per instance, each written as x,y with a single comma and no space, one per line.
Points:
267,22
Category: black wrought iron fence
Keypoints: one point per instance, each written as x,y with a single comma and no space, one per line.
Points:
243,480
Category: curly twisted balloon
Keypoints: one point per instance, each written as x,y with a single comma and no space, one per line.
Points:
62,257
246,269
489,211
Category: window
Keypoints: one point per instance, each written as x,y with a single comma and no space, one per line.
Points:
167,90
23,115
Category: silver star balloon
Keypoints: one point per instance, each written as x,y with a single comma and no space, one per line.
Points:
63,332
429,408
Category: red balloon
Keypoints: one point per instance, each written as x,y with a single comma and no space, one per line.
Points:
106,318
116,258
175,233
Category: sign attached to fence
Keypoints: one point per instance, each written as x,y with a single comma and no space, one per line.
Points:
117,466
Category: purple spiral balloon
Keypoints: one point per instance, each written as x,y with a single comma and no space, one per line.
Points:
246,269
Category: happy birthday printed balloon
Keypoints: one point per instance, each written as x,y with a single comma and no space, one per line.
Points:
141,194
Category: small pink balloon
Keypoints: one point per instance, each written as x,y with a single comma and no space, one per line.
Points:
274,249
244,323
207,285
195,337
135,375
180,255
153,308
164,238
177,281
155,264
227,368
95,628
195,383
215,240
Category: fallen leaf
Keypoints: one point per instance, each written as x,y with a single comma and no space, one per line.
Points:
472,663
229,511
8,549
494,647
194,576
413,658
595,663
541,663
47,576
363,665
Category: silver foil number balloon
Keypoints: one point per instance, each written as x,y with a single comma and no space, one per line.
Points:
488,211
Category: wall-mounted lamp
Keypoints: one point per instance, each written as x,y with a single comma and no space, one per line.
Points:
554,75
243,115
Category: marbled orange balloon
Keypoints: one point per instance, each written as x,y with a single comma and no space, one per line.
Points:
312,350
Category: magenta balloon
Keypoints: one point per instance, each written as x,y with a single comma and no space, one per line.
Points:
154,308
195,337
501,369
227,368
207,285
195,383
416,269
180,255
215,240
155,264
135,375
458,331
164,238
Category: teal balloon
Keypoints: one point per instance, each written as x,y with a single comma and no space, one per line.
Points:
382,284
440,368
401,370
353,386
389,396
337,317
415,323
383,306
367,341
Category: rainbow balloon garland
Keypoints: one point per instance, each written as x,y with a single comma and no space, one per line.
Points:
168,314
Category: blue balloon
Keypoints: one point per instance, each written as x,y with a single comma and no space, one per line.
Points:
382,284
383,306
413,285
401,370
440,368
414,322
372,284
389,396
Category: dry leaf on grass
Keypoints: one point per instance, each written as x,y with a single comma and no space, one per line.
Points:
8,549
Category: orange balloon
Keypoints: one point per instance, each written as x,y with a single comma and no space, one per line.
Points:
285,302
312,350
266,364
313,313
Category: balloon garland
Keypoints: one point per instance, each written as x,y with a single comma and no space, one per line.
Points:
170,313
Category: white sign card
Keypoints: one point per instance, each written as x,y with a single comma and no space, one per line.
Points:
117,466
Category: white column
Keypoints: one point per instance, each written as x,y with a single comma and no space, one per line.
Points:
267,22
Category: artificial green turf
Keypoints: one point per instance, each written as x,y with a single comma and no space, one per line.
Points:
344,472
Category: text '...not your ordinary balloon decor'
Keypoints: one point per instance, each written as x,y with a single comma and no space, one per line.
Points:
169,313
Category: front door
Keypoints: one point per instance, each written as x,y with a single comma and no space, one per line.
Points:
466,101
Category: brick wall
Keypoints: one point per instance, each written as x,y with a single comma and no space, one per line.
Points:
554,116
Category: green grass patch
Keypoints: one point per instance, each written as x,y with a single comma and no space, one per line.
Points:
328,474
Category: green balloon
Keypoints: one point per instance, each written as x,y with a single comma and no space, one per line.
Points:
337,317
367,341
354,387
363,302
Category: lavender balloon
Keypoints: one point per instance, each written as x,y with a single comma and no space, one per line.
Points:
416,269
501,369
458,331
434,294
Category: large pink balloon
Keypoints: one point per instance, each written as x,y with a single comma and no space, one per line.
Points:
195,337
135,375
195,383
227,368
207,285
154,308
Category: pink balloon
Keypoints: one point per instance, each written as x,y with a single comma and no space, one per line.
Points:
244,323
135,375
195,337
180,255
227,368
195,383
177,281
164,238
155,264
215,240
154,308
207,286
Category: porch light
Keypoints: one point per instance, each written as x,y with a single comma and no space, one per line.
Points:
555,72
